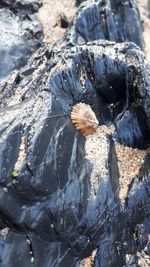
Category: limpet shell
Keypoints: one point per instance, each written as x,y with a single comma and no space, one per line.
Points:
84,118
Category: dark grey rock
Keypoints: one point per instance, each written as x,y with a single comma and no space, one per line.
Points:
20,36
78,2
30,5
56,214
109,20
49,193
63,21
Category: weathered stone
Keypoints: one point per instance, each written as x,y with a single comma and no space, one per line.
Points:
56,190
20,36
107,19
64,195
31,5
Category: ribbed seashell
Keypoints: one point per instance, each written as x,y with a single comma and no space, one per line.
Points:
84,118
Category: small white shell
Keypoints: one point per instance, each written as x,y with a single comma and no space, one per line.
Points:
84,118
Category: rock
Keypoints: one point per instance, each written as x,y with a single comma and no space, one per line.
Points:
65,199
62,188
78,2
63,21
109,20
30,5
20,36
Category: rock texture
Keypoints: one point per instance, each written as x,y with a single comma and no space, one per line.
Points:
30,5
63,201
109,20
21,34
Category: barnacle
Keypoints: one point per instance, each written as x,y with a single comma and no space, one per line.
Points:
84,118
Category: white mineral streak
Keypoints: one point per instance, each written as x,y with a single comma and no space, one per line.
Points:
5,189
55,141
4,232
73,159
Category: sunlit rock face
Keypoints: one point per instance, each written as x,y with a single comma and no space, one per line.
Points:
20,35
65,199
24,5
108,20
62,188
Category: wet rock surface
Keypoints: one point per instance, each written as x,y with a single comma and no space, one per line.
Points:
61,196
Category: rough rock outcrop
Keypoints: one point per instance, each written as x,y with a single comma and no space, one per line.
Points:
67,200
17,5
57,196
21,35
109,20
